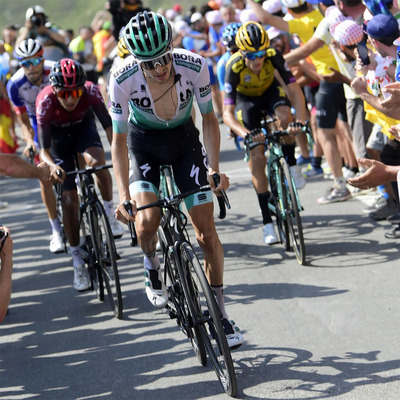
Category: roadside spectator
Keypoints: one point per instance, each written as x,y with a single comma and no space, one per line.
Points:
122,12
383,30
37,27
82,50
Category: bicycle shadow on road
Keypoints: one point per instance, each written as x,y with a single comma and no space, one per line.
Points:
292,373
345,241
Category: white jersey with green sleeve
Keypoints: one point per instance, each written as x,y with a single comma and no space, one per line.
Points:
131,99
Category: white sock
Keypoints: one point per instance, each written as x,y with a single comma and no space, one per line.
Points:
151,260
109,207
55,225
77,259
219,296
340,182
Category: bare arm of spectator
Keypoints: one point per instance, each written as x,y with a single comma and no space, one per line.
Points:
6,259
267,18
376,174
304,51
12,165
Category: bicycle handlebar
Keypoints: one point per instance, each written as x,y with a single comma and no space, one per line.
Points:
272,136
89,170
167,202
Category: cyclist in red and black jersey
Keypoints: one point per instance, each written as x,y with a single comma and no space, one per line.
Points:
66,126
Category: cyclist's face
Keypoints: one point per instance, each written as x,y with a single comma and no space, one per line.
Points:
34,73
69,99
160,73
255,65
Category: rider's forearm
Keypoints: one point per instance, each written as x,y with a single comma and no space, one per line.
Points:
298,101
212,141
119,154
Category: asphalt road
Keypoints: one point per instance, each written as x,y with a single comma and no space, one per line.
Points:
328,330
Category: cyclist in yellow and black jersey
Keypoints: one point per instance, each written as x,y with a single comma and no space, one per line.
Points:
242,79
251,87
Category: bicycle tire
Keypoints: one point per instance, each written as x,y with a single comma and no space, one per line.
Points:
275,176
178,307
293,217
106,258
60,217
209,320
96,278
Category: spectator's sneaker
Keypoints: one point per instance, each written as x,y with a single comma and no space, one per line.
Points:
383,213
313,171
155,287
303,160
233,335
297,176
269,235
335,195
3,204
56,243
81,278
395,234
116,227
379,203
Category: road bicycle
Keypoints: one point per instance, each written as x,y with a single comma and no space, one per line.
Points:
190,299
284,201
98,247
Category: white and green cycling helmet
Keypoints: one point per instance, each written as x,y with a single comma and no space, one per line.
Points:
147,35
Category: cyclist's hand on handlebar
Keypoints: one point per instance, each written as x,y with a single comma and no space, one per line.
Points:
57,174
30,146
123,215
295,128
223,183
257,135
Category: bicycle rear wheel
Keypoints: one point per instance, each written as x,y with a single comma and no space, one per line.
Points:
61,221
207,317
293,215
279,202
88,255
178,307
106,257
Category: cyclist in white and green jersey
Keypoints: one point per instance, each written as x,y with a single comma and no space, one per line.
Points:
151,95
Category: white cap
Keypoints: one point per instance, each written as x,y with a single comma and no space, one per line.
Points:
197,16
273,32
272,6
181,27
34,10
292,3
214,17
171,14
247,15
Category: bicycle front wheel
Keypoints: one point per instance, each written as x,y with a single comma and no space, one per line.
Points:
89,256
106,258
276,181
207,317
293,215
178,306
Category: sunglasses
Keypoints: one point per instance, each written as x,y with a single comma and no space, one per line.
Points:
32,61
64,94
255,54
163,60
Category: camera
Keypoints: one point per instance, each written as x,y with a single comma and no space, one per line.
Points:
38,21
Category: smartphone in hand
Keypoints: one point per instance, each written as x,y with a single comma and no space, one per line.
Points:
363,52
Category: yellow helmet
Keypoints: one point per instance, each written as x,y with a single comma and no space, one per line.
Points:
252,37
122,50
